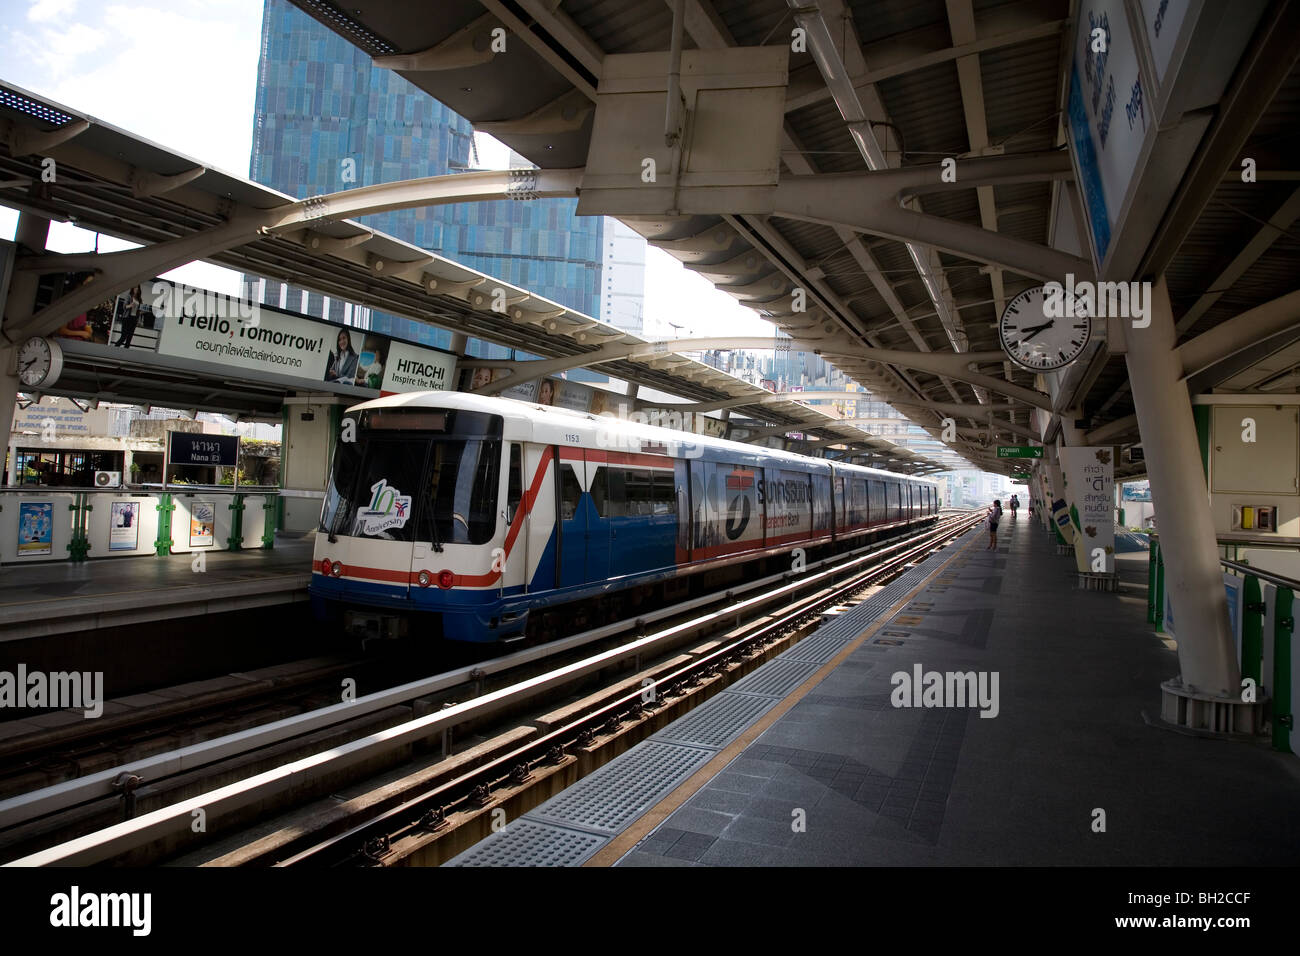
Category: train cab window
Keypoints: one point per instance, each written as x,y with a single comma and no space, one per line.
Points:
570,493
515,491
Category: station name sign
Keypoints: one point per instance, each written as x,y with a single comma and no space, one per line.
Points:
1020,451
196,448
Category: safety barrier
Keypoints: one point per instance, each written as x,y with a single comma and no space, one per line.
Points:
1262,621
76,524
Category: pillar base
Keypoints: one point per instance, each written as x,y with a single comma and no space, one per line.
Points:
1095,581
1218,716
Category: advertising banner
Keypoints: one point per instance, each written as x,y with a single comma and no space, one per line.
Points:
261,342
124,526
35,528
203,519
412,369
1089,475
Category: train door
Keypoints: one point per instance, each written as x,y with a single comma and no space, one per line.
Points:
598,512
571,520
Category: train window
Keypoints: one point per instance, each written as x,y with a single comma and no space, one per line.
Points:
858,507
876,495
570,493
638,490
663,499
372,487
515,491
600,491
462,499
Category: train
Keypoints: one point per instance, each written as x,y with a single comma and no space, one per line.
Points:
467,518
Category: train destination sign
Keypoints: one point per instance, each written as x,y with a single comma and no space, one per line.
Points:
196,448
1020,451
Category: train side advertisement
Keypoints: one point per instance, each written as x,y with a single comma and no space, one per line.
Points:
264,343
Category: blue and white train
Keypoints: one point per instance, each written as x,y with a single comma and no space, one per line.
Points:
459,516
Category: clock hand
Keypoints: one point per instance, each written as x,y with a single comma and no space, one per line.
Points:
1034,331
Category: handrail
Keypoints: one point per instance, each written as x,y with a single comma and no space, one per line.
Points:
1270,577
142,489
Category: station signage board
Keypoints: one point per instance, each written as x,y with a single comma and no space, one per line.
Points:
196,448
1020,451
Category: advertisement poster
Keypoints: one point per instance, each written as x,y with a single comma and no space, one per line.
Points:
203,515
35,528
244,337
411,369
1089,475
124,526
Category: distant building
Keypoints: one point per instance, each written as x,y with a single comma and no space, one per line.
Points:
325,118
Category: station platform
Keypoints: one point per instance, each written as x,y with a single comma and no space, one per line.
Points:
39,600
806,762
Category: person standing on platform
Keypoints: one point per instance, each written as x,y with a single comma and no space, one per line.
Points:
995,514
1015,505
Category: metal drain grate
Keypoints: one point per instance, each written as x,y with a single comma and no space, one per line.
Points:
776,678
527,843
717,722
619,792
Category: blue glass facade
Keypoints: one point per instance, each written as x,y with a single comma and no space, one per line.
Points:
326,120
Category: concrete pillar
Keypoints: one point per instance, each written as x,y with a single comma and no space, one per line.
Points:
30,234
459,340
1193,578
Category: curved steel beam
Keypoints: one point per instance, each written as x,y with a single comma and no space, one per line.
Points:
118,271
429,191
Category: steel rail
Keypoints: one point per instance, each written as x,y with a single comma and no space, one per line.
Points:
428,811
23,808
132,834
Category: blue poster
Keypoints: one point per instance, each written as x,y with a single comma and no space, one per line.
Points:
35,528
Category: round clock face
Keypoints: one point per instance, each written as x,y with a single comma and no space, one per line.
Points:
1040,342
39,361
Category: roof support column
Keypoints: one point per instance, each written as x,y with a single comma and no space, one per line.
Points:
30,235
1193,579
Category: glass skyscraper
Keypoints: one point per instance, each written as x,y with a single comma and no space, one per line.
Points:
326,119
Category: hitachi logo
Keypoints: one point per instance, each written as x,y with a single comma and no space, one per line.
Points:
412,367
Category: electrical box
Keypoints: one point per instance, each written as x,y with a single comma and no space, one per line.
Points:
1254,450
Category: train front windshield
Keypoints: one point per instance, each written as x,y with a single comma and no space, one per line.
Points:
415,475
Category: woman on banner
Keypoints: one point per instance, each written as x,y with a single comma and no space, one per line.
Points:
342,366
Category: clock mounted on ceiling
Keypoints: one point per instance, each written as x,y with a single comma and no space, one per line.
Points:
1040,342
40,362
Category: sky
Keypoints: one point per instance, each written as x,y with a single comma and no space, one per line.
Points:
183,74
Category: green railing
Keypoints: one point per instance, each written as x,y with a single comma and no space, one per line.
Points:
1254,639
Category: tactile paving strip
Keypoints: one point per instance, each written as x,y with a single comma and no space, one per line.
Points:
776,678
717,722
572,826
526,843
819,648
619,792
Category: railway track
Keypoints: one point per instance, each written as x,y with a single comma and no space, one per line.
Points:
644,681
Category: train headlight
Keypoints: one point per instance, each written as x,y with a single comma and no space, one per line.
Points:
446,579
425,579
336,569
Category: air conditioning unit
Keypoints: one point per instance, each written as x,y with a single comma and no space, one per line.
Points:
108,479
